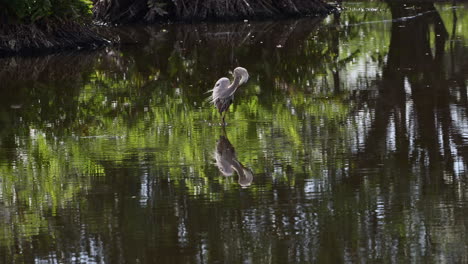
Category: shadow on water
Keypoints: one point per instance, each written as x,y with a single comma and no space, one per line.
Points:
357,133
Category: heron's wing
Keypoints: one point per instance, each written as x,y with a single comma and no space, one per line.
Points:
218,89
210,99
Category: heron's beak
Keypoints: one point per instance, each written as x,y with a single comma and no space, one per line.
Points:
230,72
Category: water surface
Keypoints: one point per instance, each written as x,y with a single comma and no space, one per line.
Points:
348,144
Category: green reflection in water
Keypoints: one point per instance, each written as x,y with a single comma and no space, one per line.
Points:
110,156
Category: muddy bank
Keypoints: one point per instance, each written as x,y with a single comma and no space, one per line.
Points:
46,37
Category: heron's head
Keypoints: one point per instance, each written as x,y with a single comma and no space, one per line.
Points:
241,72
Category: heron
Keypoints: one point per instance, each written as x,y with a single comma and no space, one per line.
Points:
223,91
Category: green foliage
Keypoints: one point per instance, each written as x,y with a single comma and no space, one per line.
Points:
28,11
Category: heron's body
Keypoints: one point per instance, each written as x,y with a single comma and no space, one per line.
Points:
223,92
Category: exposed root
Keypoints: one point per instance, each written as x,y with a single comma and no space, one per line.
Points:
124,11
47,36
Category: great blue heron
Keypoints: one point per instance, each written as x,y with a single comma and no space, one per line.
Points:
223,91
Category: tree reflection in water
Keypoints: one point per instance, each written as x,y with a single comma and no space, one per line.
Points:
356,128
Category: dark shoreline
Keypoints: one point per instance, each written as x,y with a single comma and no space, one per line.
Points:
48,37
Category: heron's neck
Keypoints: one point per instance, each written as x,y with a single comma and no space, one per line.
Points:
235,83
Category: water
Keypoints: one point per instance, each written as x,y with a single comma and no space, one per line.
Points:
348,144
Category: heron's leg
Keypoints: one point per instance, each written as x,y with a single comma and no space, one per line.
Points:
223,116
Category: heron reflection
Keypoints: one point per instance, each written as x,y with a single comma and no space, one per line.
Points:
227,163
